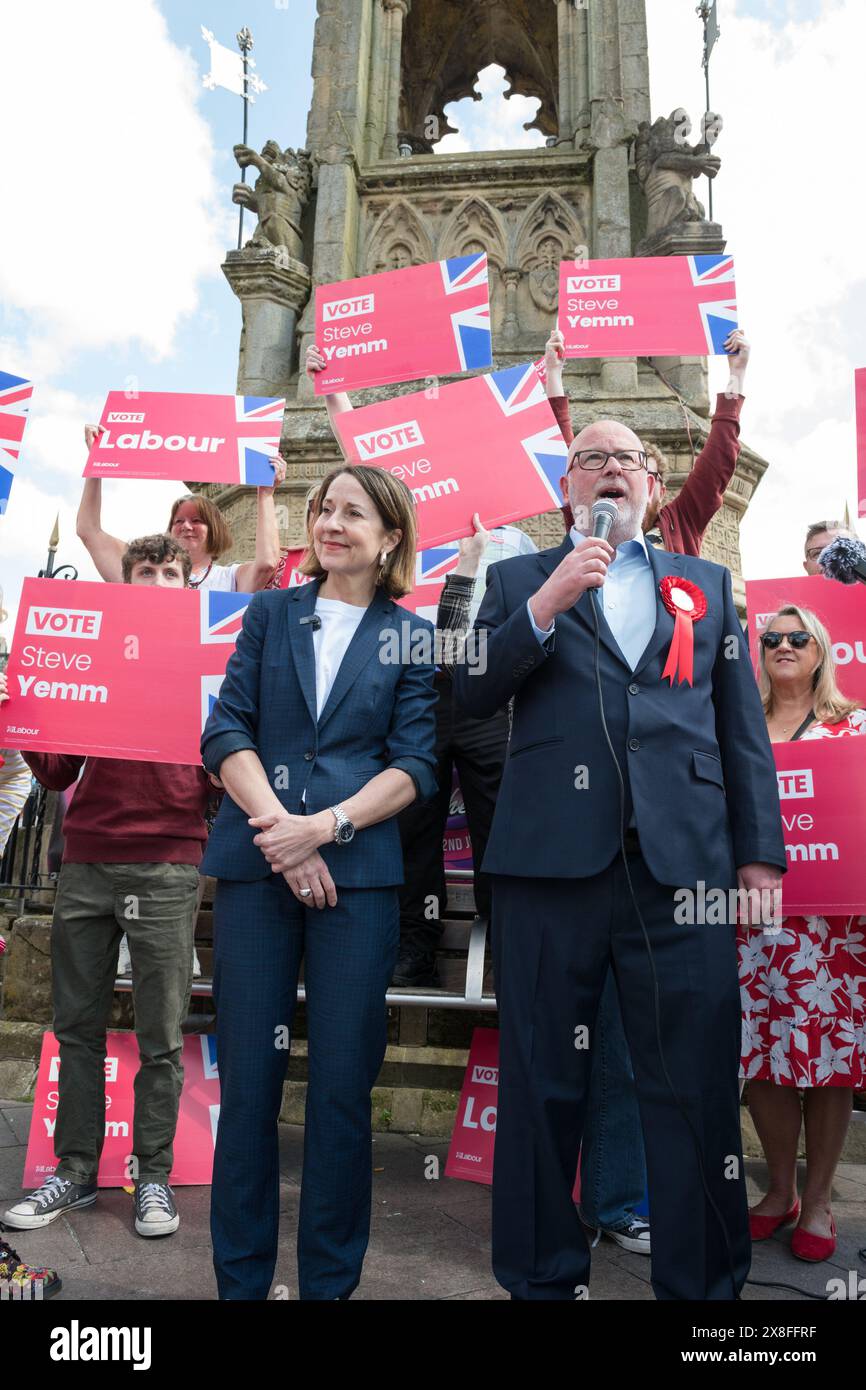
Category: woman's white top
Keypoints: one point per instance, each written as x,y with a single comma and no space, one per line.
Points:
223,577
339,624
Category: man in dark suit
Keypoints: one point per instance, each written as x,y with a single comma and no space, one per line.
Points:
697,808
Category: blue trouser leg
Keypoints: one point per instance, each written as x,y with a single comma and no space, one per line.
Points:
351,951
258,942
553,942
612,1165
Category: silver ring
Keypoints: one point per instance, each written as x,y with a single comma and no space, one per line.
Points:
305,892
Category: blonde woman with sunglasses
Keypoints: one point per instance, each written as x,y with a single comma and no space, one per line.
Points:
802,990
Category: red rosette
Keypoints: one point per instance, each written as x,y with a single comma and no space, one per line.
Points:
687,604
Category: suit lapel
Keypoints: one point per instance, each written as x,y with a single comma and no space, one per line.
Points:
301,639
662,562
364,644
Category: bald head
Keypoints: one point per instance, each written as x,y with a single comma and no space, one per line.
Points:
629,488
604,434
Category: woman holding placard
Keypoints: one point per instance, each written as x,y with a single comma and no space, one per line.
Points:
802,985
199,526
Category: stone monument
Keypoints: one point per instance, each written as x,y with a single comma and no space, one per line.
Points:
370,193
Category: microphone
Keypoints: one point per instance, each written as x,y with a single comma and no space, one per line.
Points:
604,514
844,559
314,622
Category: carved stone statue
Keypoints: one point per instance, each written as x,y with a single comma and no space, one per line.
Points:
279,195
666,165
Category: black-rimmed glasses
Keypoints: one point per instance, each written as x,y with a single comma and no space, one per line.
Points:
593,460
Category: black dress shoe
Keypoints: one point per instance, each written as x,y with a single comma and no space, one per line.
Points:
416,968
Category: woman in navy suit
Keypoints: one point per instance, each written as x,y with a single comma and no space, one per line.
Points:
324,730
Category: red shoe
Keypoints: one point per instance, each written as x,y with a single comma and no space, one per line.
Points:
762,1227
807,1246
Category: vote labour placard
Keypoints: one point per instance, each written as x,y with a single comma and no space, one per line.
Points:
402,325
840,607
117,670
194,438
489,444
647,306
470,1154
822,793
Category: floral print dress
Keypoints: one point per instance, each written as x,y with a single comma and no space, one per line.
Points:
803,992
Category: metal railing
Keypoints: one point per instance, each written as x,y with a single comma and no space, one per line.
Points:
20,866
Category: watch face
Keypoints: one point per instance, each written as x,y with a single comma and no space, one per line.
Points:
345,833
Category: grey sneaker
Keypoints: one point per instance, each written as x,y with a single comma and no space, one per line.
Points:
155,1211
633,1234
55,1196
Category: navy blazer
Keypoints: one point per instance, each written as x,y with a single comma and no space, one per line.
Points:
696,759
380,714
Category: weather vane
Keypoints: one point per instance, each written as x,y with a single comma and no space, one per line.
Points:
233,72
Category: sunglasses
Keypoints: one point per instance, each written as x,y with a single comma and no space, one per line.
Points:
797,640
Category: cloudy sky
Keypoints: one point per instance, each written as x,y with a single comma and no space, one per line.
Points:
118,213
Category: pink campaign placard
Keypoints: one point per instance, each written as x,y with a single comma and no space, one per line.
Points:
647,306
488,444
860,411
840,607
117,670
196,1124
822,794
470,1154
404,325
191,438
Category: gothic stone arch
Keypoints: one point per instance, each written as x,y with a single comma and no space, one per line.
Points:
397,239
476,226
549,233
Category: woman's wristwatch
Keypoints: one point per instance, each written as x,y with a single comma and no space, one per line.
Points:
344,830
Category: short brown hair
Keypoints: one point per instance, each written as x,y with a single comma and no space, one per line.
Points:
156,550
396,507
219,537
652,451
818,526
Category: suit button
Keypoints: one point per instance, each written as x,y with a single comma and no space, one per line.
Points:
634,744
309,755
633,689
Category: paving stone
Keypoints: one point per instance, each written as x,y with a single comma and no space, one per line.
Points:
18,1118
429,1240
8,1138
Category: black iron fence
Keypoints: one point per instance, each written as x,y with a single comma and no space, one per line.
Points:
24,868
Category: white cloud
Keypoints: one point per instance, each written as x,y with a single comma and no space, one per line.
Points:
111,205
112,218
790,94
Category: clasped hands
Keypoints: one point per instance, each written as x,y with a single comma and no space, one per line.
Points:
290,844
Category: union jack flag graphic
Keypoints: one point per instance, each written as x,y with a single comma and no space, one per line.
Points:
431,566
548,453
210,693
222,615
471,326
15,393
718,314
255,450
516,388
